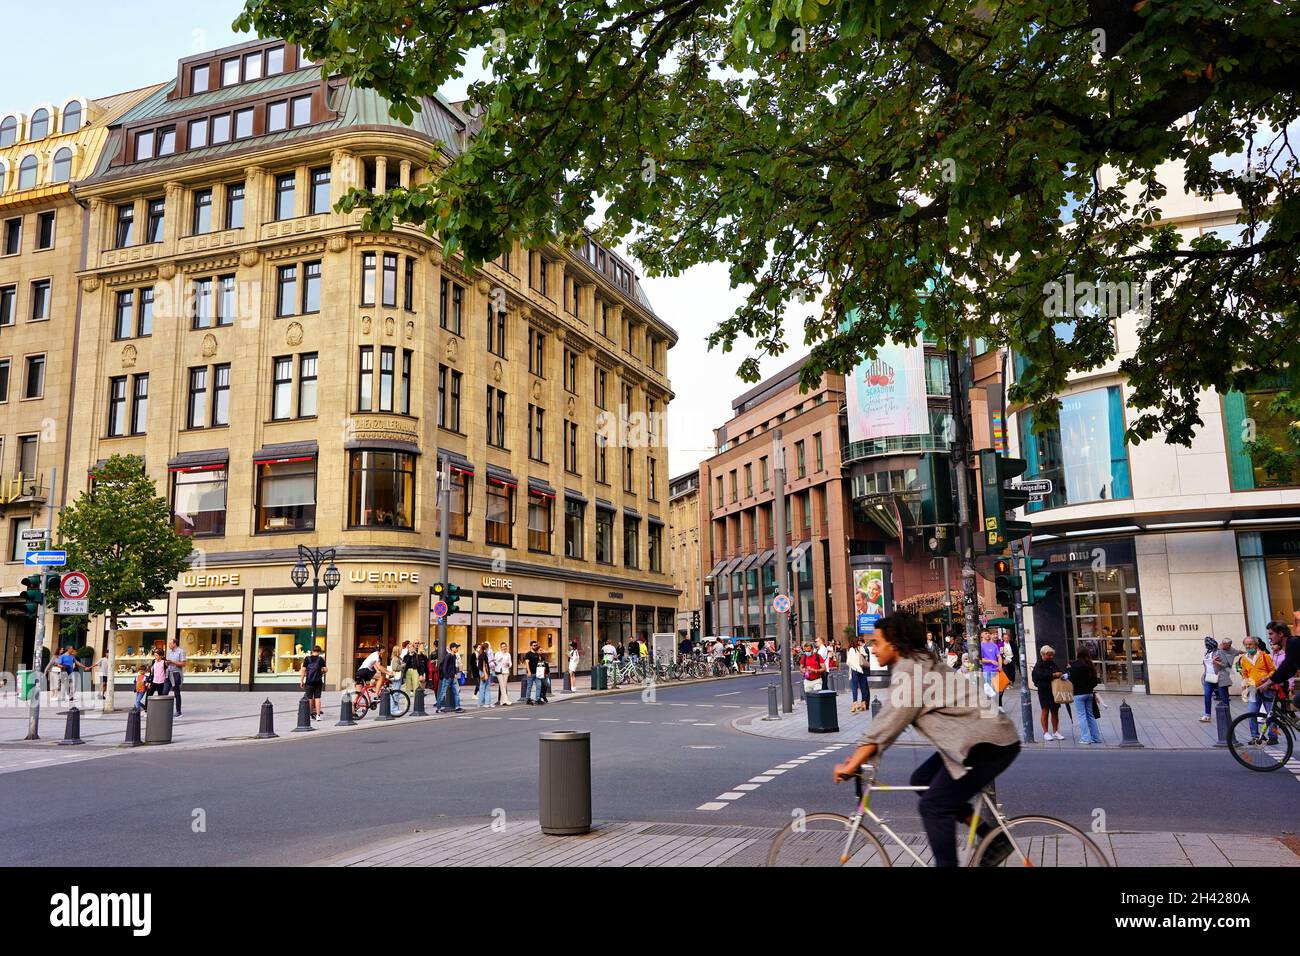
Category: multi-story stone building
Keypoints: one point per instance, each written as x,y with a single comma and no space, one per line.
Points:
684,552
41,249
290,379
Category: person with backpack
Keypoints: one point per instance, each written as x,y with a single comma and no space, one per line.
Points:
810,665
312,680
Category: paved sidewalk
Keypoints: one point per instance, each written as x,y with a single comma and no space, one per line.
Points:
216,719
521,843
1162,722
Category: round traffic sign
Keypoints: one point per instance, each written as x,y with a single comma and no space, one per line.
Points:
74,585
781,603
440,609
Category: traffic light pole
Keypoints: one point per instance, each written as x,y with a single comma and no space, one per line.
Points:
782,572
444,506
965,525
38,682
1018,615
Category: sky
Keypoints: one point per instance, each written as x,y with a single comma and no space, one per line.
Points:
106,48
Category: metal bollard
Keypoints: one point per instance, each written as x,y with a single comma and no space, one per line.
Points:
771,703
34,712
385,706
72,730
304,716
568,682
133,728
1222,720
418,710
798,689
1127,727
345,712
266,721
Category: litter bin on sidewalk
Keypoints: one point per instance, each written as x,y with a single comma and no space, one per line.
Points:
26,681
564,782
822,717
599,677
158,719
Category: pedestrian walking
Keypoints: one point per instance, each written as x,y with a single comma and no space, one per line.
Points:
810,665
1217,676
533,668
448,674
1049,708
311,679
575,658
501,665
1277,649
68,666
1255,666
544,692
102,668
141,685
1082,676
175,671
990,662
483,665
157,675
859,664
1286,658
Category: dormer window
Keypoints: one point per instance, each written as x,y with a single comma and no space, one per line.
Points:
275,61
40,124
167,141
230,71
72,117
277,116
252,66
8,131
244,123
198,136
144,145
301,110
200,78
220,129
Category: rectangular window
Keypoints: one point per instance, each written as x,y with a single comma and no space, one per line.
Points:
155,216
537,353
221,395
202,306
4,388
366,385
202,212
448,398
459,496
1084,454
34,386
40,300
230,71
500,518
389,288
14,235
598,458
817,452
734,490
386,359
140,404
749,481
198,133
311,287
243,123
496,417
17,545
367,278
286,290
200,77
277,116
274,60
144,145
285,185
45,230
571,447
320,190
631,542
27,451
801,465
282,387
629,478
221,129
536,419
225,300
144,326
117,406
253,66
496,329
125,222
405,399
651,469
300,110
600,378
199,501
570,371
307,385
124,321
573,529
408,286
286,495
196,408
604,536
8,304
762,473
539,522
381,490
167,141
235,206
655,548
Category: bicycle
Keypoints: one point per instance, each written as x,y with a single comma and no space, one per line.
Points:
831,839
1255,751
364,700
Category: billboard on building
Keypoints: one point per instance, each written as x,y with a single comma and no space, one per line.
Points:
887,394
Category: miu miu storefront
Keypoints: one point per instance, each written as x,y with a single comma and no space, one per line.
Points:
249,629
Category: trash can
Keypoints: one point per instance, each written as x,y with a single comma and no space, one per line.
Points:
822,718
26,681
564,782
158,719
599,677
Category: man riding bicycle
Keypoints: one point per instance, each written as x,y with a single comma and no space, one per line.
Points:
373,671
974,743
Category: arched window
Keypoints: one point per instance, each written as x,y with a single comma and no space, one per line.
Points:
40,124
27,172
72,116
62,166
8,130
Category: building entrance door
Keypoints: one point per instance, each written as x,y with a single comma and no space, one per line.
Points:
1106,617
373,622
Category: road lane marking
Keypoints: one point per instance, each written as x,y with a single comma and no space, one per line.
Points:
711,806
730,693
761,778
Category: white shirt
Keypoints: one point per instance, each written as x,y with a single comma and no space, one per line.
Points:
103,667
371,662
854,660
502,662
574,657
609,652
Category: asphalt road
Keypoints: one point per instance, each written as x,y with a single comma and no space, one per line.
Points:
304,800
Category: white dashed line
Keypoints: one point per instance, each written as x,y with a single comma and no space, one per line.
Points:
710,806
747,786
756,783
762,778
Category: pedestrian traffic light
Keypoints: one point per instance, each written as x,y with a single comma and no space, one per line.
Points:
999,499
1036,586
794,622
34,596
452,598
1006,580
934,482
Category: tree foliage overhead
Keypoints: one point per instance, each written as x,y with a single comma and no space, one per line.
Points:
867,152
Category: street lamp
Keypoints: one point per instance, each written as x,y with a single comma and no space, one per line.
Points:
315,557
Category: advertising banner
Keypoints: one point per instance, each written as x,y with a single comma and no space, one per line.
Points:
887,394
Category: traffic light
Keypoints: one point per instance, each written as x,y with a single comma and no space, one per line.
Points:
934,482
999,499
1036,586
34,596
452,599
53,585
1006,580
794,622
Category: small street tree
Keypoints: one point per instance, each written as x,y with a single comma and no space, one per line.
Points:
120,534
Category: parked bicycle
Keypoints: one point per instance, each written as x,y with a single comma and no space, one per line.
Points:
1264,741
831,839
364,700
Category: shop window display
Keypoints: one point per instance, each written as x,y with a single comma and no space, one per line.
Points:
281,650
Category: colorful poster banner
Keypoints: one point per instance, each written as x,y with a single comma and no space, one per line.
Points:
887,394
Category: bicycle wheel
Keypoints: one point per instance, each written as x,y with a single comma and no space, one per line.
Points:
399,702
1253,751
360,706
1040,841
826,839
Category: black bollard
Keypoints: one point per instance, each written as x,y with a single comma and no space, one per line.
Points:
568,683
798,689
72,729
266,723
345,712
385,706
418,710
133,727
771,703
1127,727
1222,719
304,716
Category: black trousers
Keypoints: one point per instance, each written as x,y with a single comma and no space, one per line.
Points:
948,800
173,687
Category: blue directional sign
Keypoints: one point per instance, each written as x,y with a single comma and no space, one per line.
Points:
53,559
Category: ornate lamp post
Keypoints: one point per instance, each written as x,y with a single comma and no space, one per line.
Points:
316,557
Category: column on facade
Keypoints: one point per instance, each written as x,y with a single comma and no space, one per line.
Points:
404,174
381,175
174,213
98,231
256,201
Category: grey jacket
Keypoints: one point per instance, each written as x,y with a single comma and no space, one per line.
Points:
948,709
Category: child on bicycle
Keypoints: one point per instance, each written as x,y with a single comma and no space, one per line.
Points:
974,743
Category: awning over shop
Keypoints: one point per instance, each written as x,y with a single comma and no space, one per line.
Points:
384,444
571,495
456,461
286,451
749,561
536,486
502,476
199,460
604,505
655,519
631,513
